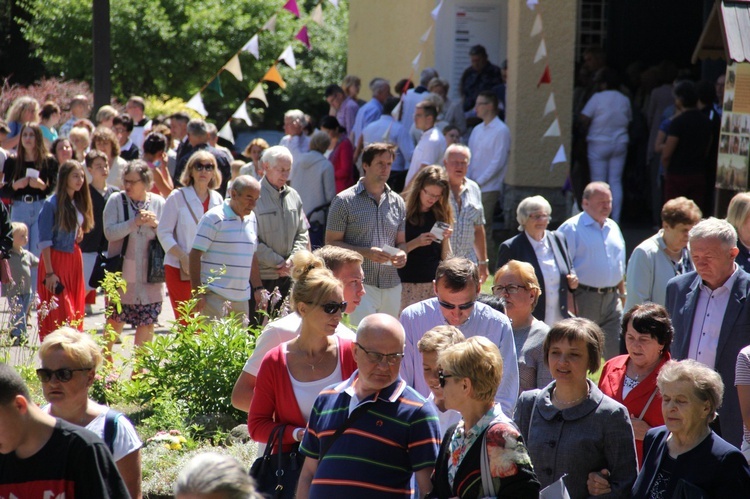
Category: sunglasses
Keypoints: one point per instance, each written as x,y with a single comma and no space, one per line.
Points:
391,359
450,306
63,375
204,167
333,307
511,289
442,377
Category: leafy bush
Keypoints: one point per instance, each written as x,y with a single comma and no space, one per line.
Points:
55,89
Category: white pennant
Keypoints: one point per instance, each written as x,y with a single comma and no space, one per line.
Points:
233,66
241,114
397,110
560,157
252,47
335,3
532,4
550,104
541,52
288,57
426,35
317,15
270,24
259,94
196,103
436,11
415,62
553,130
226,132
537,26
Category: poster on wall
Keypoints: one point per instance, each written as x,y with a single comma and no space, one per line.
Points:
734,140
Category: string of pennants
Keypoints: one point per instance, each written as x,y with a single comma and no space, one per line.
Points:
234,67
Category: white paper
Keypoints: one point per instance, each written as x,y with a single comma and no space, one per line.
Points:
390,250
32,173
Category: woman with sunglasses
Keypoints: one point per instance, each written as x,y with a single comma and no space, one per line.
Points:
179,222
69,362
469,375
293,374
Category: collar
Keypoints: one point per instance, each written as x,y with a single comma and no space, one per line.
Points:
589,220
270,189
544,243
391,393
728,284
548,411
229,213
359,188
495,412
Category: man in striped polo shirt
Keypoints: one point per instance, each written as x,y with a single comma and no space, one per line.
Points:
392,431
224,253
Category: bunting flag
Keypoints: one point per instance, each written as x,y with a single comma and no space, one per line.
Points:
560,157
215,85
316,15
546,78
291,6
426,35
550,104
226,132
436,11
537,26
302,36
553,130
288,57
241,113
274,76
258,94
397,110
335,3
252,47
233,66
541,52
270,24
196,104
415,62
531,4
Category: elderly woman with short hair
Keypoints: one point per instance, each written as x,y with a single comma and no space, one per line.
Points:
662,256
738,214
548,253
254,151
686,458
469,375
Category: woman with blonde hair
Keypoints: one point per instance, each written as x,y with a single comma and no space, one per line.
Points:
105,140
254,151
737,215
23,110
69,362
105,117
427,206
80,139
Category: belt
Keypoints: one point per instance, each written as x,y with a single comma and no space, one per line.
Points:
601,291
27,198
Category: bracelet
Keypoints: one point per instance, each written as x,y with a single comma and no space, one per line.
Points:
257,288
49,274
484,262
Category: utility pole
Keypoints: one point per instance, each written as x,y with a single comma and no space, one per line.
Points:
100,33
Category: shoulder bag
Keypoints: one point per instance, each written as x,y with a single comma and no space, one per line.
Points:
113,263
276,475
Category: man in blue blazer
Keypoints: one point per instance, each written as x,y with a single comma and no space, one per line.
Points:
710,313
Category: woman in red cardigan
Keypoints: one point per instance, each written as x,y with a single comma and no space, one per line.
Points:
292,375
631,379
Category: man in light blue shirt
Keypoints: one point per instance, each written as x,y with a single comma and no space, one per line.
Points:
456,289
371,111
387,129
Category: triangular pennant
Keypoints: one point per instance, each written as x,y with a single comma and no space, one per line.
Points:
541,52
241,113
258,94
215,85
302,36
274,76
546,78
553,130
550,104
436,11
415,62
335,3
288,57
397,110
537,26
270,24
196,104
560,157
426,35
532,4
226,132
291,6
317,15
252,47
233,66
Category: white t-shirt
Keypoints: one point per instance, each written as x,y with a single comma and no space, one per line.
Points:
610,115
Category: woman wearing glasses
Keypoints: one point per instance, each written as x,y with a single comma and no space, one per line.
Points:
469,376
179,221
292,375
516,284
69,362
547,252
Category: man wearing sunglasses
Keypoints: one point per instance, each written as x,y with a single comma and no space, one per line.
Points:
41,456
456,288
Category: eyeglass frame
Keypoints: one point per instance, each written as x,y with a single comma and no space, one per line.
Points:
390,359
204,167
505,289
442,377
338,306
43,372
463,306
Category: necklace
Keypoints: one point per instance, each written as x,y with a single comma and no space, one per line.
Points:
304,358
572,402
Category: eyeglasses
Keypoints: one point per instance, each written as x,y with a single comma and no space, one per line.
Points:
131,182
63,375
204,167
442,377
482,103
431,196
333,307
510,289
450,306
539,216
391,359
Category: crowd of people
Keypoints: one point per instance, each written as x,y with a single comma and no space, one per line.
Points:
381,220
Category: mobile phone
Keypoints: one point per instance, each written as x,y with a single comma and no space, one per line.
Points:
59,288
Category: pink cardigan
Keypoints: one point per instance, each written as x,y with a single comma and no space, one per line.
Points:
274,401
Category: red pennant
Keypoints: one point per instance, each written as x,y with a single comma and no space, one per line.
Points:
302,36
546,78
291,6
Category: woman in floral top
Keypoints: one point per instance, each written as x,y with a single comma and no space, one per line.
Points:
470,374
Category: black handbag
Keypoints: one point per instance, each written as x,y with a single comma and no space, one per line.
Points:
276,475
155,262
110,264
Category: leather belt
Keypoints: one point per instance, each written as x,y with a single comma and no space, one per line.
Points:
601,291
27,198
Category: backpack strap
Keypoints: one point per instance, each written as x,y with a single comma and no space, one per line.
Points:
110,428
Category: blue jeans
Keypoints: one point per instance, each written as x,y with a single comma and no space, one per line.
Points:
19,307
28,213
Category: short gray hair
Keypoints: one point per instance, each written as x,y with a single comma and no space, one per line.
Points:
379,85
457,148
211,129
714,228
243,182
296,115
320,142
142,169
594,187
197,127
271,156
706,383
210,472
528,206
426,75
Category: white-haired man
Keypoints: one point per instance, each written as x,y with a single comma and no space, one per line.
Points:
295,139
